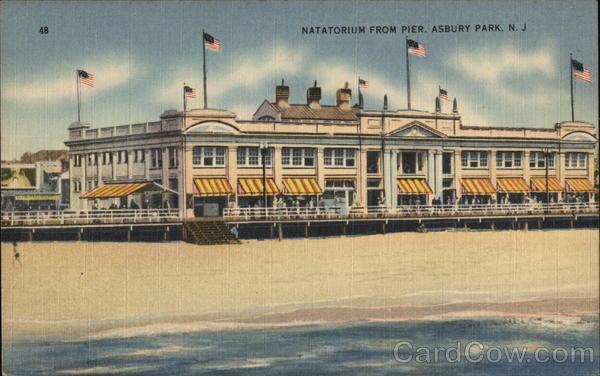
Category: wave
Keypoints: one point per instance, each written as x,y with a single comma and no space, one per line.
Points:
111,370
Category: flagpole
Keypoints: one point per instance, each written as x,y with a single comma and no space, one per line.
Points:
184,100
204,66
359,91
571,70
407,74
78,96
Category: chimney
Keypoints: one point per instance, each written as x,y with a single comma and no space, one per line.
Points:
282,95
454,106
313,96
342,97
385,102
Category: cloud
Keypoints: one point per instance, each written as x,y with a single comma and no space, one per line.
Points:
502,73
249,72
493,66
109,73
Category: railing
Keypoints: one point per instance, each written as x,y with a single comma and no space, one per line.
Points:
129,216
408,211
63,217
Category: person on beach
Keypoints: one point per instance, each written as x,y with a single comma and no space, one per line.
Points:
16,254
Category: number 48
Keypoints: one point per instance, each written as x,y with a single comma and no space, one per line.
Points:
44,30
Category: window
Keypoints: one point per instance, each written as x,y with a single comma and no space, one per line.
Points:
575,160
537,159
139,156
251,156
208,156
76,186
298,157
122,156
155,158
340,157
92,159
172,157
77,160
91,184
373,162
447,163
474,159
508,159
107,158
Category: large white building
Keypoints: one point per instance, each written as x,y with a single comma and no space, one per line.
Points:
203,160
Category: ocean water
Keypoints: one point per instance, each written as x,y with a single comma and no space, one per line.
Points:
361,348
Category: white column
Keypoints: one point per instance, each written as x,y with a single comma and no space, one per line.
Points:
438,175
130,159
147,164
165,167
431,173
393,178
99,161
114,157
387,177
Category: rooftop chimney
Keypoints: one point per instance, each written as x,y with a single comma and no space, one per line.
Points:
282,95
343,96
454,106
385,102
313,96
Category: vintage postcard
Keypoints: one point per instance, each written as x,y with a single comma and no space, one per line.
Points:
300,187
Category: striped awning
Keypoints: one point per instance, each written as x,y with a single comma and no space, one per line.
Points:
513,185
206,187
477,186
580,185
254,187
413,187
115,190
539,185
301,187
40,197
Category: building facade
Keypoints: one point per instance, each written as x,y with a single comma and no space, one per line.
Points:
205,160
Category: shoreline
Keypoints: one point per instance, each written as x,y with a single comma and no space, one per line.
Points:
73,290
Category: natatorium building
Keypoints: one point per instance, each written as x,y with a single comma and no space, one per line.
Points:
317,154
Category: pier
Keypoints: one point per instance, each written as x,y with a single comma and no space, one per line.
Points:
156,225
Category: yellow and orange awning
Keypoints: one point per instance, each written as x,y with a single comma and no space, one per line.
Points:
513,185
115,190
254,187
413,187
477,186
580,185
301,187
539,185
206,187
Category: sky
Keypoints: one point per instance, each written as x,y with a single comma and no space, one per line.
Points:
141,53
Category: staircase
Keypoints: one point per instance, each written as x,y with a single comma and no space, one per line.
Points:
208,232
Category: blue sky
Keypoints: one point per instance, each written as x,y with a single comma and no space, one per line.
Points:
142,52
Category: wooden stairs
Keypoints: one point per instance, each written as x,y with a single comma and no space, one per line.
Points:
208,232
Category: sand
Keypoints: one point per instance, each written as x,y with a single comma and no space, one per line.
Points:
71,289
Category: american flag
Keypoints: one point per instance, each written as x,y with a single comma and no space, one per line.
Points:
580,72
444,94
212,42
86,78
415,48
190,92
364,84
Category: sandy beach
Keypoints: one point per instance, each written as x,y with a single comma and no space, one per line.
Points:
70,290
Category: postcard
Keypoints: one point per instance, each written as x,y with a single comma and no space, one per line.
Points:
299,187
